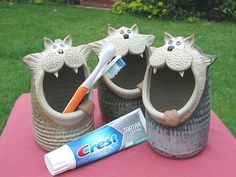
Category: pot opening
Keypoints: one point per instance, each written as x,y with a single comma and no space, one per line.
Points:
132,74
59,90
168,90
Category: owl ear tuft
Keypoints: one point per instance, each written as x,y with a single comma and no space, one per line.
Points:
134,28
68,40
111,30
47,42
167,37
189,40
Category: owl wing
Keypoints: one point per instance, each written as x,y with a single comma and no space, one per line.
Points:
149,39
33,61
97,46
207,59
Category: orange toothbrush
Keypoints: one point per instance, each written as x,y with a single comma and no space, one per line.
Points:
106,55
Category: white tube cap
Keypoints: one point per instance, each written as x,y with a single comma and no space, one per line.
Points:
60,160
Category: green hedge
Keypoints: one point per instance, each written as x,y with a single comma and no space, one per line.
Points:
179,9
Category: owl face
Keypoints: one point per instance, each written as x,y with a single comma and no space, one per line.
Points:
175,79
58,46
134,49
57,54
123,32
175,54
172,43
129,40
57,72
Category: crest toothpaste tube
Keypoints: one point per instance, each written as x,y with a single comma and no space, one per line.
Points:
119,134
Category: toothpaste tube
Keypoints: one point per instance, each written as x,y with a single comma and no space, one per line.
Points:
119,134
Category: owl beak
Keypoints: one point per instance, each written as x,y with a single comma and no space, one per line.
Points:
60,51
170,48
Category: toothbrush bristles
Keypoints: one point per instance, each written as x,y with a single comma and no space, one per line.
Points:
115,68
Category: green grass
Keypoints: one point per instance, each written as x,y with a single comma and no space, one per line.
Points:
22,28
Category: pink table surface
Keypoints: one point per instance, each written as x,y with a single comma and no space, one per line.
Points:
21,156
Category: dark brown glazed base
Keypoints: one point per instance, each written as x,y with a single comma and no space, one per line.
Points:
113,106
177,157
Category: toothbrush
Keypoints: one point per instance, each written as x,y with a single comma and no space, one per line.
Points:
112,68
102,67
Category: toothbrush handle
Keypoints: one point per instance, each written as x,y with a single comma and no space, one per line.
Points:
105,68
76,99
100,74
81,91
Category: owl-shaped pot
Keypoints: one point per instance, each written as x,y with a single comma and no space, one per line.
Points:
57,72
122,94
176,96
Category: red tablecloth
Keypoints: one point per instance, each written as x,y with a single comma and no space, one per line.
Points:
21,156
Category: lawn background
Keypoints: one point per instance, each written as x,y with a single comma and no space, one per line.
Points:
22,27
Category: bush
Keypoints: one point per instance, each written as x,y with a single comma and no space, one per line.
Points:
210,9
226,10
191,10
150,9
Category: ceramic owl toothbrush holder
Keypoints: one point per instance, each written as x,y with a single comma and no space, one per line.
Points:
122,94
57,72
176,96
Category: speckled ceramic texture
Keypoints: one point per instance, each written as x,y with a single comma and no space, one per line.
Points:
176,96
51,135
187,139
122,94
113,106
57,72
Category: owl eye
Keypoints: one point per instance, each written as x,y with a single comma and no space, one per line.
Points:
62,45
54,46
178,43
128,31
121,31
170,41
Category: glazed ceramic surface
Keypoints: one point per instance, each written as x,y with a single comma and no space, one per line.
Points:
122,94
176,96
57,73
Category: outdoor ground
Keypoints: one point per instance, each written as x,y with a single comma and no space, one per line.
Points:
22,28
